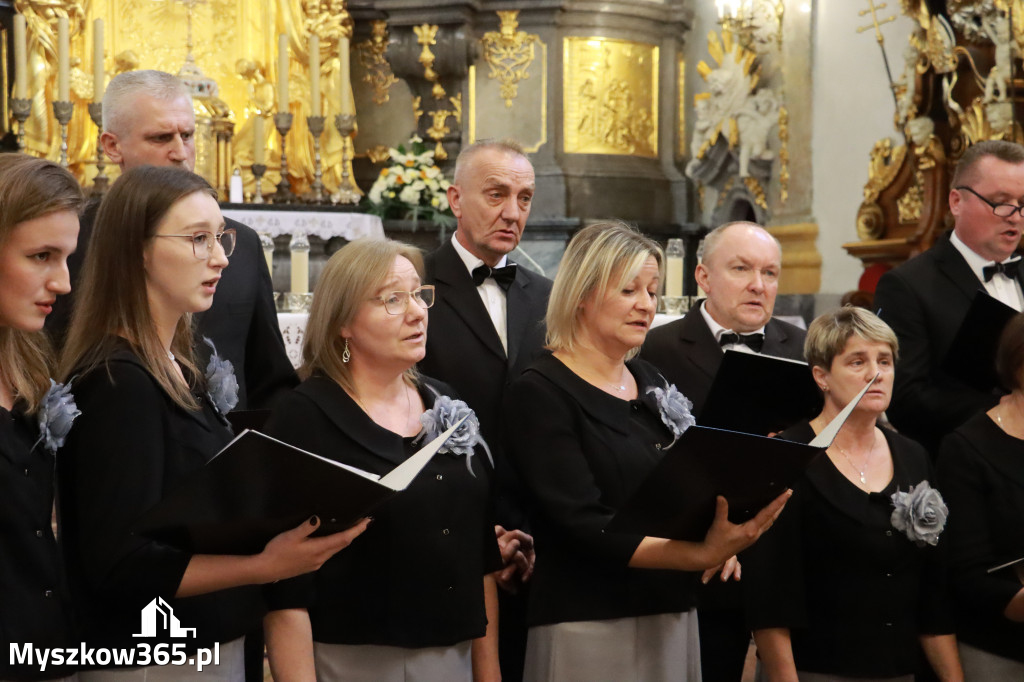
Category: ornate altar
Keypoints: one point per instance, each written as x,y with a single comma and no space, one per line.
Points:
960,84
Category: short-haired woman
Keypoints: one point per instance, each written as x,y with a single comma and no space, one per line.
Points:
148,420
842,588
981,467
414,598
585,426
38,230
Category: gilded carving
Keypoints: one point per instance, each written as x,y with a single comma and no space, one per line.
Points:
426,35
417,109
509,54
371,54
783,154
378,153
909,206
885,163
755,188
611,97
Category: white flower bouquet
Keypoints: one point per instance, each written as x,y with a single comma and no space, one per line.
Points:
412,187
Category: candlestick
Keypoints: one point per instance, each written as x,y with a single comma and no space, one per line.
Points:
20,58
283,122
98,74
347,106
258,169
62,112
282,72
348,192
99,183
259,139
21,108
314,74
63,57
299,247
316,129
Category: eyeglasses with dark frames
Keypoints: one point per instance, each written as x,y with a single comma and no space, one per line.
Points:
202,242
1001,210
397,302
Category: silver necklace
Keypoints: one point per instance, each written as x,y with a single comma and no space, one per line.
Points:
863,474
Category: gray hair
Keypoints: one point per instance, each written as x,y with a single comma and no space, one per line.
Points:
509,146
715,236
124,87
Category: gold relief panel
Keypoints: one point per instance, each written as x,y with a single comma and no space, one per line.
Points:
610,97
526,121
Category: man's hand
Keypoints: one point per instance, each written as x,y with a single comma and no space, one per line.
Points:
517,554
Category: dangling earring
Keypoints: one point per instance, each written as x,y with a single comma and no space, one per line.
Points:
346,354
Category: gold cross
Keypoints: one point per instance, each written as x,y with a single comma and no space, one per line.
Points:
875,23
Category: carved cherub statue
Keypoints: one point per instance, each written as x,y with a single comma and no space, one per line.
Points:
997,27
909,83
755,121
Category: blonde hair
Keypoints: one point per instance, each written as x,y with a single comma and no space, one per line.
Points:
113,301
352,275
594,256
828,334
31,188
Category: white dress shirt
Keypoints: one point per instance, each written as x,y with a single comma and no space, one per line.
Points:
490,293
1000,286
718,330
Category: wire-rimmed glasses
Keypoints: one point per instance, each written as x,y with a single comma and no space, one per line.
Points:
202,242
397,302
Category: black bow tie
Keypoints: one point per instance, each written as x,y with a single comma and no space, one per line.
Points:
753,341
503,276
1009,269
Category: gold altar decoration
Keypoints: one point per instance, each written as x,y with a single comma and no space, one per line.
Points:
610,96
426,35
757,191
783,154
730,82
371,54
755,23
681,106
801,262
151,34
529,125
509,53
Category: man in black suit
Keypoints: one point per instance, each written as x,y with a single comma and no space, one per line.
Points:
148,120
740,275
485,328
925,299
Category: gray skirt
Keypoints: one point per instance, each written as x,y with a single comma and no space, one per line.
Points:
823,677
374,663
230,669
981,666
658,648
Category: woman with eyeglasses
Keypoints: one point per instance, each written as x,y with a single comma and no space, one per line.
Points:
413,599
148,421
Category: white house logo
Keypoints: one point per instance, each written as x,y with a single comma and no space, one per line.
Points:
158,618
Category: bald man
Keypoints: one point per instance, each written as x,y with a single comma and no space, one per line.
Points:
740,275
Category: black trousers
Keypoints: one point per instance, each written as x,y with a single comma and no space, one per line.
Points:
724,641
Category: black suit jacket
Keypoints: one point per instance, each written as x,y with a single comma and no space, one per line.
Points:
924,301
464,350
981,475
686,353
242,322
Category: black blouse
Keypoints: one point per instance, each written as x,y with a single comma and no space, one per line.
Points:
581,454
415,577
854,592
34,603
981,468
131,444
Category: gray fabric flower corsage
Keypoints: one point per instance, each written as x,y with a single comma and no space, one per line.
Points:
221,384
443,415
920,513
674,408
57,412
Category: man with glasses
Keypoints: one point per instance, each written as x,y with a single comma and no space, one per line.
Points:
486,328
148,120
925,299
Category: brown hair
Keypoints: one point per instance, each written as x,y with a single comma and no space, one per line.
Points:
352,275
1010,152
31,188
828,334
596,254
1010,354
113,302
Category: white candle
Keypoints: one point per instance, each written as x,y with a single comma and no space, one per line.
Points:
268,254
282,73
300,271
345,84
20,58
63,58
98,75
314,73
258,139
673,276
